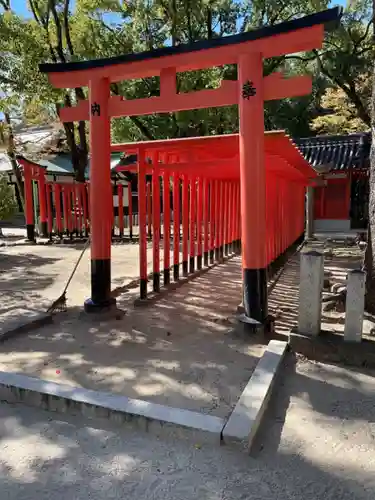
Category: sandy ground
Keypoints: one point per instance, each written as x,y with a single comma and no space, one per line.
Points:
321,426
317,444
181,351
32,277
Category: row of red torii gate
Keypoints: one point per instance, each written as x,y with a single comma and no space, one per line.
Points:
208,197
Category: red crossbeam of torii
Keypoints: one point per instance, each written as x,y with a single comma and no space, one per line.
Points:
247,51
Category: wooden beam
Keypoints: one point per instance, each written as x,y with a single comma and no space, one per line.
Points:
300,40
275,87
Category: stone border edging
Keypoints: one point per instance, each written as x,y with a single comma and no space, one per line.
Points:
245,420
16,388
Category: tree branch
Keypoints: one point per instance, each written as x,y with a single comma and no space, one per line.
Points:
137,121
5,4
60,48
67,28
363,38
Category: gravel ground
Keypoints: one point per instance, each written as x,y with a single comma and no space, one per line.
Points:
317,444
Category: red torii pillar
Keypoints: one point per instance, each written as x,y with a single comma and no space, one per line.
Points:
253,186
100,196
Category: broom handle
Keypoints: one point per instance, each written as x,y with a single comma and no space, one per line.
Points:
77,264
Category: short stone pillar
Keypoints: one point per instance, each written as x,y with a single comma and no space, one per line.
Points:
310,293
355,305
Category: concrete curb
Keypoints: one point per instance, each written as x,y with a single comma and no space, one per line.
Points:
246,417
24,325
15,388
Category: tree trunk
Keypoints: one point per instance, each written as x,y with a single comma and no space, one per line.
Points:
12,158
369,258
79,152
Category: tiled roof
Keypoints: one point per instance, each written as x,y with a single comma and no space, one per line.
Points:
339,152
56,164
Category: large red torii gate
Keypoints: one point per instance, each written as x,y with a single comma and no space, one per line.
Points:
247,50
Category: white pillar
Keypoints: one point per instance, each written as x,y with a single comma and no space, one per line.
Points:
310,293
355,304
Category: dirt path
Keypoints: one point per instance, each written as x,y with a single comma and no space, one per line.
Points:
322,449
180,351
34,276
321,426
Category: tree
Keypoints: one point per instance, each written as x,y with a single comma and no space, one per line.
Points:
8,205
346,57
370,258
340,115
63,30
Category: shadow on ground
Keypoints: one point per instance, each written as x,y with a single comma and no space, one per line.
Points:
22,281
66,458
182,351
326,414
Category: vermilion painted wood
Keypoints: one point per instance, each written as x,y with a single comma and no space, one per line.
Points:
333,200
130,210
101,214
206,215
185,221
49,208
120,194
276,87
176,219
79,207
252,165
57,202
142,216
227,216
65,189
156,225
286,43
166,221
28,189
149,209
212,216
192,219
75,207
230,219
70,209
85,203
199,216
42,196
80,210
239,234
217,218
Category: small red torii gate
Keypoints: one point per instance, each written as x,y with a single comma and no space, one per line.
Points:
249,92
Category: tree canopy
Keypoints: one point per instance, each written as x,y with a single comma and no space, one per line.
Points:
63,30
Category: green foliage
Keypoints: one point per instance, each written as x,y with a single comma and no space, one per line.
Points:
8,204
63,30
342,116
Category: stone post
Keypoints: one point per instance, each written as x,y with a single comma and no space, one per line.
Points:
355,303
310,293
